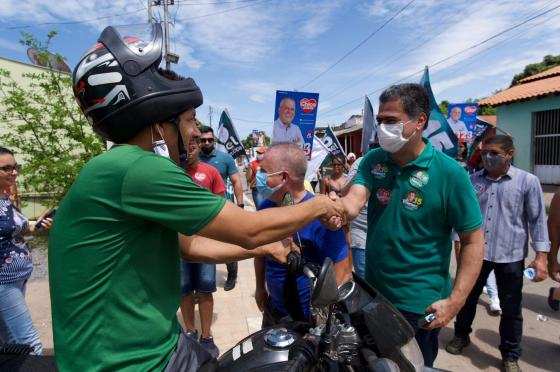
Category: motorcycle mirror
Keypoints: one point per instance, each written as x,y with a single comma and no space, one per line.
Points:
325,292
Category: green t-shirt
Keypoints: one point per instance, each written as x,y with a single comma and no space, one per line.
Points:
411,212
114,261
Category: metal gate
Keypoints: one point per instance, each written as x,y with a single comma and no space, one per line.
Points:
547,146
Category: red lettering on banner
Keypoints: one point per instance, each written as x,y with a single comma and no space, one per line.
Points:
308,105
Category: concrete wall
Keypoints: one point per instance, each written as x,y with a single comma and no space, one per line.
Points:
517,120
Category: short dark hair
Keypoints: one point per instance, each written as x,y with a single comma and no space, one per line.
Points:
206,129
4,151
502,140
413,97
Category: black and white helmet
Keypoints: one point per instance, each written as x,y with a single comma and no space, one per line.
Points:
121,90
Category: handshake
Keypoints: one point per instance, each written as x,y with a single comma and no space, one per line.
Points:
333,214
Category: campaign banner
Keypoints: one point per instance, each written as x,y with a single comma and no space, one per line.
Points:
227,136
333,145
318,156
461,118
438,132
295,115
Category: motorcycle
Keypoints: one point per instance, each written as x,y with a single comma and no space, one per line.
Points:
353,328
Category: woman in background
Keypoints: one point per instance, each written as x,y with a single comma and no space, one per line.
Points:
16,326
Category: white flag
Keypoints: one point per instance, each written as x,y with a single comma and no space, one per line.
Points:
318,155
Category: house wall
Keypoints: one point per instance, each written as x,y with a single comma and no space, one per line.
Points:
517,120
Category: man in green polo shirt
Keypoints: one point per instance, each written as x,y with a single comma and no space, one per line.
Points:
416,196
114,249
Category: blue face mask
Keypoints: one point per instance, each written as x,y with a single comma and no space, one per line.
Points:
262,186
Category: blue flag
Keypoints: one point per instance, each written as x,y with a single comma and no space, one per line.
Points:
438,132
369,130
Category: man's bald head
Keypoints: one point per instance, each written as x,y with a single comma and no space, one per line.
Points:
286,157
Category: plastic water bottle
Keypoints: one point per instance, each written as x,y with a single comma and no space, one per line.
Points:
530,273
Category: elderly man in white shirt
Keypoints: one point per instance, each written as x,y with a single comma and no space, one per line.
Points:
457,125
284,130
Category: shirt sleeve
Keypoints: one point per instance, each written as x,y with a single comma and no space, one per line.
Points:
231,167
364,176
334,243
463,209
218,185
536,215
155,189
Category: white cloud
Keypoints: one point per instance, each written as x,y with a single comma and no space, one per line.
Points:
318,19
258,91
13,46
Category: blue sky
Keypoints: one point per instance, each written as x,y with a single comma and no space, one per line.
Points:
240,52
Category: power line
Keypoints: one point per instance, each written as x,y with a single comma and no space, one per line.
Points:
184,2
74,22
357,46
398,56
451,56
256,2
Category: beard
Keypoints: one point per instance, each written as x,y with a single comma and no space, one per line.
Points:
207,150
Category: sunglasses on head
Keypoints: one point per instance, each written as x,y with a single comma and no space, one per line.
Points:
10,168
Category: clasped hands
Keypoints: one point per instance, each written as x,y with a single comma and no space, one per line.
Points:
334,216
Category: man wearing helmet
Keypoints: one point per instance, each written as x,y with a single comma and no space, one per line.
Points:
114,250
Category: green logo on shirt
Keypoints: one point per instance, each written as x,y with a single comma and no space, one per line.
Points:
413,200
380,171
419,179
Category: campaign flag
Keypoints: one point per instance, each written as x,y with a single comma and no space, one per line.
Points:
295,115
369,130
228,138
462,119
333,145
438,132
318,156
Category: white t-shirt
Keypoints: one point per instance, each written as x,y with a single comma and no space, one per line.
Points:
282,133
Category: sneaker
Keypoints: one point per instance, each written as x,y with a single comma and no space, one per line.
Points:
554,304
192,334
495,308
457,345
230,283
209,345
511,365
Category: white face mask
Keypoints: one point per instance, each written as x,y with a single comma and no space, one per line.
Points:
390,136
159,146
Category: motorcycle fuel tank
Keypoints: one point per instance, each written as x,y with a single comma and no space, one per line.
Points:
266,350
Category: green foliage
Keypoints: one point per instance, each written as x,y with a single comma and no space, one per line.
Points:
534,68
45,127
443,106
250,143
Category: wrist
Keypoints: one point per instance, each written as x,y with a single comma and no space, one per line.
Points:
541,256
241,205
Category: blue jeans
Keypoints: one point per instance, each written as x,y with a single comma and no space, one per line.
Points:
427,340
359,259
199,277
16,326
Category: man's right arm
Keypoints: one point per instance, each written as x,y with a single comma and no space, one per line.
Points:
261,295
355,200
252,229
554,235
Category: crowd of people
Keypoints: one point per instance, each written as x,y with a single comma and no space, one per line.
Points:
139,233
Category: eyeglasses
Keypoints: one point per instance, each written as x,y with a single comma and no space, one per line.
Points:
207,140
10,168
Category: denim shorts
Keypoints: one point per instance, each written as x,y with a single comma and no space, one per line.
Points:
199,277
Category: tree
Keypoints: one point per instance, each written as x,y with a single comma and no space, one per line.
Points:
249,141
534,68
443,106
45,126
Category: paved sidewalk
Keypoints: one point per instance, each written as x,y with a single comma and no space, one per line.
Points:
236,316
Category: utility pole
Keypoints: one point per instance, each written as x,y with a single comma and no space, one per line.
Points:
169,56
210,112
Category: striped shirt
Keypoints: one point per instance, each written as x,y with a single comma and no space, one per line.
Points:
513,209
15,260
